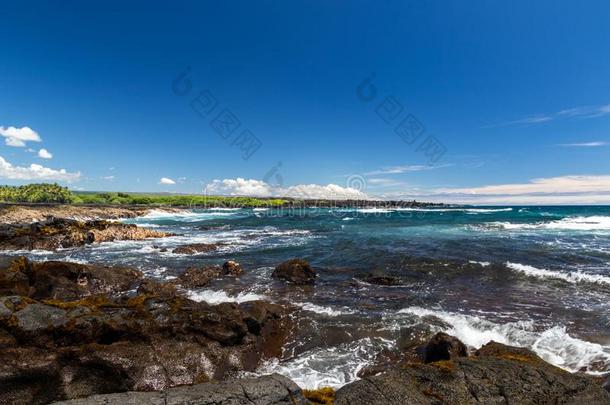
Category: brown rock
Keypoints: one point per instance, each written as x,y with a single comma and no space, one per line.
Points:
63,280
297,271
482,380
55,233
232,268
195,277
195,248
380,279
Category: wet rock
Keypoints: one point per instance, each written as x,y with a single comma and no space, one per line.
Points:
37,317
384,361
195,277
297,271
606,384
495,349
444,347
498,378
55,233
272,390
63,280
102,343
232,268
195,248
380,279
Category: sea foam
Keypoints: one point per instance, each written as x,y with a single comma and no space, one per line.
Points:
216,297
570,277
554,344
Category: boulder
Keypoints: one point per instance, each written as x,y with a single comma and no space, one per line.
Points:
195,277
444,347
380,279
502,377
267,390
296,271
232,268
195,248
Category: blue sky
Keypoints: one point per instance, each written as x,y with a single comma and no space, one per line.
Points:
513,98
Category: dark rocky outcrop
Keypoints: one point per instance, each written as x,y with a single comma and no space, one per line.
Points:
296,271
79,338
29,213
56,233
380,279
195,248
268,390
444,347
195,277
498,374
64,280
232,268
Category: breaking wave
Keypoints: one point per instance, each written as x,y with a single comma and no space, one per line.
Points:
328,366
216,297
328,311
570,277
592,223
554,344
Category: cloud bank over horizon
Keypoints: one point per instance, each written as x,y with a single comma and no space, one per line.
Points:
258,188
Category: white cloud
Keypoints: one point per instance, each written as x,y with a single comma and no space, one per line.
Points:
166,180
34,172
19,136
404,169
45,154
239,186
550,185
329,192
581,112
584,144
574,189
109,178
258,188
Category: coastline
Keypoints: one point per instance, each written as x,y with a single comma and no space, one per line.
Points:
253,321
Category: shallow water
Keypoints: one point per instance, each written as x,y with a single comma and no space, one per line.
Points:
529,276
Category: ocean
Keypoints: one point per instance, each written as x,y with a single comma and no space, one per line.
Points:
537,277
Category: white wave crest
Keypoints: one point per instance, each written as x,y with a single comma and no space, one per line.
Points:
374,210
592,223
570,277
186,215
467,210
216,297
484,264
318,309
554,345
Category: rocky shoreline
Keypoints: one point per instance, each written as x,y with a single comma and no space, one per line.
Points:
95,334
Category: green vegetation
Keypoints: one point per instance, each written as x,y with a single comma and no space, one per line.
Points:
53,193
36,193
174,200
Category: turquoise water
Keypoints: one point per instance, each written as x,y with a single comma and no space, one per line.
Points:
528,276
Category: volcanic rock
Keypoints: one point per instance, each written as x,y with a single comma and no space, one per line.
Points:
297,271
